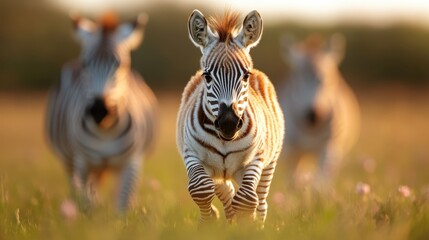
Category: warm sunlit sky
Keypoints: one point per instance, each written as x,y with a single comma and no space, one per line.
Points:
376,12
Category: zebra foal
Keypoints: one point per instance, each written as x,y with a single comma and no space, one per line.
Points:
321,111
101,114
229,126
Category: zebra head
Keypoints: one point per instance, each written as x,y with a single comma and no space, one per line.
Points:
226,64
105,61
313,76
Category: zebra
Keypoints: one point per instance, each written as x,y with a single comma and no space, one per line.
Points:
230,125
321,110
101,116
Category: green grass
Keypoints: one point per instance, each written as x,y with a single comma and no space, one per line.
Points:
394,139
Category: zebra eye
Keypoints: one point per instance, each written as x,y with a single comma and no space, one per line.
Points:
246,77
208,78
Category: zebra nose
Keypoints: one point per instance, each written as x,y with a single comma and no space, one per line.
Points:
227,123
97,110
239,125
311,116
216,124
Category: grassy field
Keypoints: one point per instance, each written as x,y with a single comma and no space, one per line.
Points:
393,150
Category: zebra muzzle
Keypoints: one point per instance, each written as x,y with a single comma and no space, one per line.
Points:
316,117
100,113
311,117
227,123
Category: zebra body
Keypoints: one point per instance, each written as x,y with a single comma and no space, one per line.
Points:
321,111
230,125
101,115
224,159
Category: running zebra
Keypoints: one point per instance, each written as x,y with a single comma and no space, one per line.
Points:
230,125
101,115
321,111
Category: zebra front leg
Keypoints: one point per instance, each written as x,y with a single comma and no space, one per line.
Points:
327,168
201,188
246,200
330,160
94,179
225,192
263,189
128,178
79,184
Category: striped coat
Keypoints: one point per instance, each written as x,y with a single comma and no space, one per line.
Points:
321,111
216,154
101,115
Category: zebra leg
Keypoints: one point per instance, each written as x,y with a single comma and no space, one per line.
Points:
79,183
201,188
330,160
246,200
127,182
262,191
225,192
327,169
94,180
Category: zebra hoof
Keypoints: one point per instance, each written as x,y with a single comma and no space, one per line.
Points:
246,217
214,216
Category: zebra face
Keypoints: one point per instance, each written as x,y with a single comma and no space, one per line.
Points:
227,66
313,78
102,90
226,90
105,61
308,90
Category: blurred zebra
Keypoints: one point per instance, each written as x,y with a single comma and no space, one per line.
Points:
101,115
321,111
230,125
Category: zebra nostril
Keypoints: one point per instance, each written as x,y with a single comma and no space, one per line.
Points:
240,124
97,110
216,124
311,117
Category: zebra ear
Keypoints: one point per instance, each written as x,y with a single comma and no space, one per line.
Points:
290,51
199,33
251,31
336,48
287,46
84,28
131,33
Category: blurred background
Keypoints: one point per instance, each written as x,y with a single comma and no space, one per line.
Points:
387,41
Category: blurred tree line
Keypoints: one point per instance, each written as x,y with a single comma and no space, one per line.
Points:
36,39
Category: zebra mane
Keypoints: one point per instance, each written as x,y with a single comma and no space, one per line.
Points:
109,22
103,54
313,44
225,25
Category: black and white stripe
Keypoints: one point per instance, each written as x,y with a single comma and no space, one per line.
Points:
228,85
101,115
